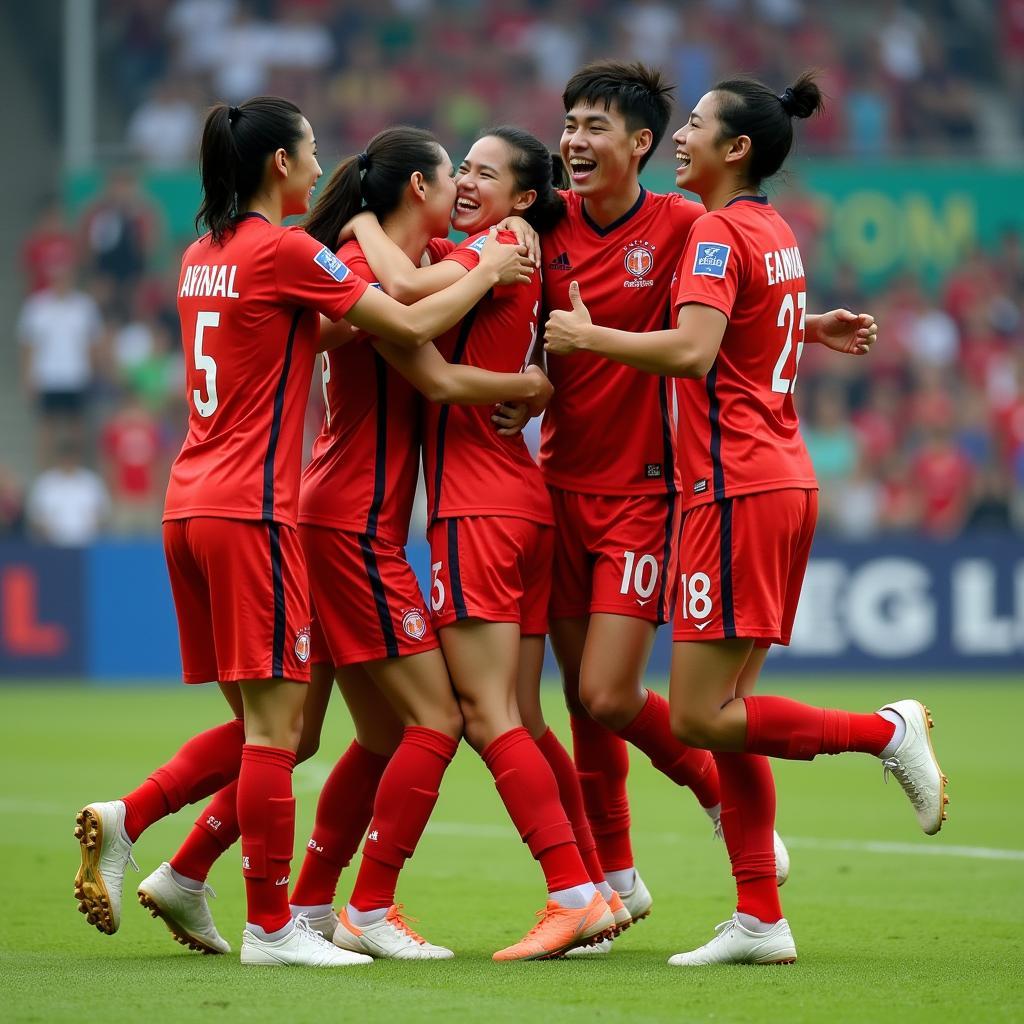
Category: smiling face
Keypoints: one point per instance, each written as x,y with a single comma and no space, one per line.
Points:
703,156
600,152
487,191
303,171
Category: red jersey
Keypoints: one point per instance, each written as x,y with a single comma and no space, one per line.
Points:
611,429
362,477
741,434
470,469
250,325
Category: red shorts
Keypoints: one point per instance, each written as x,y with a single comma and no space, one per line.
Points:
242,599
494,568
742,564
365,597
614,555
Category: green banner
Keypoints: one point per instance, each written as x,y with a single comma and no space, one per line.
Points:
882,219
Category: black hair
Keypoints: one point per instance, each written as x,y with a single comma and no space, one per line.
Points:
373,180
748,107
534,168
638,92
233,155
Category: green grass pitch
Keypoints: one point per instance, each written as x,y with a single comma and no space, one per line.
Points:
890,925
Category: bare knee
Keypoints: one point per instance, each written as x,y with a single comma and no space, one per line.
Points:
692,728
611,708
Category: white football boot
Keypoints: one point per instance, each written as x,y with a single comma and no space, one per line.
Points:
915,767
301,947
637,902
735,944
184,911
106,854
390,938
325,924
781,853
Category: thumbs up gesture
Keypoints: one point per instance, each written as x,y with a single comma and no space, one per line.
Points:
566,329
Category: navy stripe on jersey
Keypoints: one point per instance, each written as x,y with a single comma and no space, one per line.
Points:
715,445
380,597
725,541
454,572
631,212
275,423
380,457
442,419
277,572
667,591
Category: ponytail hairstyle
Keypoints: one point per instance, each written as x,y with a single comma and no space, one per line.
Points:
748,107
374,180
534,168
233,155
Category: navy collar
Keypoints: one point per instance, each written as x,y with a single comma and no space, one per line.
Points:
631,212
250,214
761,199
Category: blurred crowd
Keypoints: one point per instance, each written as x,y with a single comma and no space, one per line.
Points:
902,76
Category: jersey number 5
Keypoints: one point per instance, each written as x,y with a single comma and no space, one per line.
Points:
787,316
205,364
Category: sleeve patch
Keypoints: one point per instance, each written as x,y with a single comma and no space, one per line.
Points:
335,267
478,244
711,259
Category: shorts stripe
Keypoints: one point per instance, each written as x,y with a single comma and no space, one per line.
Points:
380,463
442,419
725,535
458,598
275,423
715,446
380,598
666,592
277,570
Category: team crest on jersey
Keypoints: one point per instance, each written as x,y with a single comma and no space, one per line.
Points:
414,623
335,267
639,261
711,260
302,645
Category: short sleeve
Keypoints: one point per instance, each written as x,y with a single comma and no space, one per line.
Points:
468,254
710,268
684,213
439,248
309,274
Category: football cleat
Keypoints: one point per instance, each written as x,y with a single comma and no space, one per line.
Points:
915,767
106,854
184,911
325,924
301,947
735,944
600,948
781,853
390,938
560,929
638,900
622,921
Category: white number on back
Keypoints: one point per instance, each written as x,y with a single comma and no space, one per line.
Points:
205,406
787,316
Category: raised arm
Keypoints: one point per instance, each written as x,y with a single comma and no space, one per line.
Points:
384,317
457,384
397,274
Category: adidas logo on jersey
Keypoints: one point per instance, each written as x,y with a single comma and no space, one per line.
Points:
560,262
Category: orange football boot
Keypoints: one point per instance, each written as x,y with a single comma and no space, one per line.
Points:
561,929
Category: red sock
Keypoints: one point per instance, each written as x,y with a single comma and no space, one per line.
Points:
748,821
215,830
602,762
571,795
201,767
780,727
651,732
529,792
405,797
266,817
342,815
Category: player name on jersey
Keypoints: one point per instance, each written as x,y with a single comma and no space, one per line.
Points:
783,265
204,280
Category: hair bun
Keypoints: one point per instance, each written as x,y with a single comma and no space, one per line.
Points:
803,97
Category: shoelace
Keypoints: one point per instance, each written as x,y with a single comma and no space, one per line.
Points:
303,925
399,921
543,916
896,767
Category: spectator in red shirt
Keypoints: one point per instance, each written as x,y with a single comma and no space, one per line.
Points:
50,244
136,468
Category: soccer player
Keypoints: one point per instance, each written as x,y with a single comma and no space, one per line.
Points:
490,532
750,495
248,298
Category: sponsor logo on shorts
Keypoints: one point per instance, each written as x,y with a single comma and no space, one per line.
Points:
711,259
335,267
414,623
302,645
653,471
700,486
